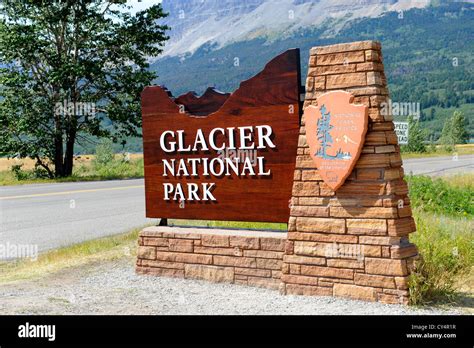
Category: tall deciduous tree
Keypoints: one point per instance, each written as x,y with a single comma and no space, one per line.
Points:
459,128
65,67
455,130
416,136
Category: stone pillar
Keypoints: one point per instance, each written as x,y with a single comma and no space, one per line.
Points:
352,242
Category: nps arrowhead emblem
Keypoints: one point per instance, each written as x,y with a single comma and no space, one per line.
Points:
335,133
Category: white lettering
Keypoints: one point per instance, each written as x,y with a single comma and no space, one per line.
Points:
233,159
37,331
172,144
264,138
211,139
201,141
244,137
170,167
168,189
181,147
193,192
261,167
207,192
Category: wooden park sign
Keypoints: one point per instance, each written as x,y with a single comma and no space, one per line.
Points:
244,156
224,156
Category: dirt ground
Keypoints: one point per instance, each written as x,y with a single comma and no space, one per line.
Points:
112,287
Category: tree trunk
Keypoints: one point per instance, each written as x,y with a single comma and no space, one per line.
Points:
58,155
58,139
69,155
71,130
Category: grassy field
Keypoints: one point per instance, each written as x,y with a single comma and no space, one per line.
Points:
85,168
439,151
444,213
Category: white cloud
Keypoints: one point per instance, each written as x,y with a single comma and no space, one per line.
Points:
139,5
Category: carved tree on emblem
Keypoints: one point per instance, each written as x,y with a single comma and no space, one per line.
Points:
325,139
323,134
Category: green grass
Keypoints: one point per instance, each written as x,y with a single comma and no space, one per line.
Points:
102,249
446,246
97,250
440,151
231,224
443,210
115,169
452,197
462,181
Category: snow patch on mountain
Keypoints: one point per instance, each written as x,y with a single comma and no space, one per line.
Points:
195,23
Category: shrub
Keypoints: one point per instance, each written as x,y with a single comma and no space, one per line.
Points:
118,169
104,153
438,196
431,148
19,173
445,246
39,173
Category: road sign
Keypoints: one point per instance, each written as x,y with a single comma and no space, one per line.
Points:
401,128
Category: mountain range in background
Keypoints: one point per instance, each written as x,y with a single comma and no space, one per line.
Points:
217,23
427,46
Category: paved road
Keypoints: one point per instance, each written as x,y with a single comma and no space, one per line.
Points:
54,215
437,166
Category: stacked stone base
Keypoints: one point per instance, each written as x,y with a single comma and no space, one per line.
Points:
316,269
234,256
257,258
353,242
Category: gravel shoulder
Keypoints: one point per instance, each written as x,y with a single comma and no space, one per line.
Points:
114,288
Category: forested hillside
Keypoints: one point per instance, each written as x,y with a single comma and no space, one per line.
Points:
427,52
428,56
